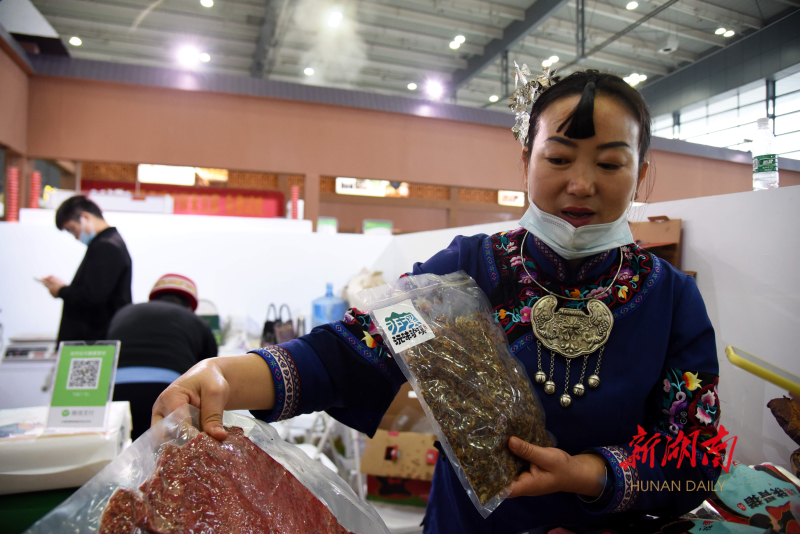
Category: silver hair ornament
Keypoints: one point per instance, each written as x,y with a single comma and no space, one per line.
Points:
525,95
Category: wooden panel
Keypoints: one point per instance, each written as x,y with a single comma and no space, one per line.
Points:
327,184
440,192
252,180
108,172
472,194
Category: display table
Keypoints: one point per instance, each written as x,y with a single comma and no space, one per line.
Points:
34,459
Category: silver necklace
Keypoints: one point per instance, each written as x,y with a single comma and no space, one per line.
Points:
570,333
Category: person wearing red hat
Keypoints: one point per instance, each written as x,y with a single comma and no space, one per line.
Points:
161,339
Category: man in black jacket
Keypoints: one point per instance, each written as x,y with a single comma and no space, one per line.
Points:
102,284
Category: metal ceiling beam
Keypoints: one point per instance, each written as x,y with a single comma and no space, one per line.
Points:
717,14
667,27
266,37
626,30
567,50
476,8
381,52
449,24
535,16
566,28
172,22
439,57
372,33
753,57
580,30
114,32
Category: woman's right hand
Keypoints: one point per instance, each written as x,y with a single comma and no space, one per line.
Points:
218,384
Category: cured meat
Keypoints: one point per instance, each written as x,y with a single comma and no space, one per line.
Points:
787,413
208,486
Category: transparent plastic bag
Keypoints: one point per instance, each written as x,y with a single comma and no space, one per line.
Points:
475,393
83,511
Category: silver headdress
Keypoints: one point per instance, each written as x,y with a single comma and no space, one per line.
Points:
526,94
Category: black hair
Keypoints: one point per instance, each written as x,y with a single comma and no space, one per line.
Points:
580,123
71,209
173,297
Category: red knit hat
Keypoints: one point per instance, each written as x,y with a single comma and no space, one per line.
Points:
175,283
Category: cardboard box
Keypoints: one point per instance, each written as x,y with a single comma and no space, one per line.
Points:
661,236
401,456
405,491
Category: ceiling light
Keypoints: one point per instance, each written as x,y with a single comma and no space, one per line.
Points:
553,59
634,79
75,41
459,39
412,86
632,5
434,89
546,63
207,3
720,31
205,58
188,56
728,33
334,19
308,71
455,45
494,98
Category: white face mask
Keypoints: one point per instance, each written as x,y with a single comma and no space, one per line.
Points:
572,243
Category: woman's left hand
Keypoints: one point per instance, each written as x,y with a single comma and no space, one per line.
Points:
554,470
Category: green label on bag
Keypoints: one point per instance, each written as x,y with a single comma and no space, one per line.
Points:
765,163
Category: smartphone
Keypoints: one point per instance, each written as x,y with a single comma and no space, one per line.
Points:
760,368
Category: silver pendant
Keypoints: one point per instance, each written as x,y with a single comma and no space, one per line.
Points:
571,332
565,400
540,377
549,387
594,381
578,390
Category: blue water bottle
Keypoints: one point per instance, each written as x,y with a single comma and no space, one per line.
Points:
327,309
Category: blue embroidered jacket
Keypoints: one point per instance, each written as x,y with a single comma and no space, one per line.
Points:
659,371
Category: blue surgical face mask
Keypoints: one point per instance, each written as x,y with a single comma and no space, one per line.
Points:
572,243
85,238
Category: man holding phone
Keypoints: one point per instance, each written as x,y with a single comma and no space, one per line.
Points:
102,284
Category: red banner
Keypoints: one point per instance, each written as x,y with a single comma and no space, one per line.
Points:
206,200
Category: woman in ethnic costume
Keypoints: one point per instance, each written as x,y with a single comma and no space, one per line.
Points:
584,159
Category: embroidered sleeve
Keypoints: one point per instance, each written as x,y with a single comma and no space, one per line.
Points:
620,492
689,410
675,462
287,383
361,335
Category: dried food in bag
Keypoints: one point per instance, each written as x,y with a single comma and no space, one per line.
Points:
176,479
477,395
208,485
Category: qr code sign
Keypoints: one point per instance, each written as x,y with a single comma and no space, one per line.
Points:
84,373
